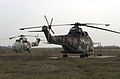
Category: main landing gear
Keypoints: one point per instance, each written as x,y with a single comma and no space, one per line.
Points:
65,55
83,55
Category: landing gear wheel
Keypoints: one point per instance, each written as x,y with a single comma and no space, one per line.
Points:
86,55
65,56
99,55
82,56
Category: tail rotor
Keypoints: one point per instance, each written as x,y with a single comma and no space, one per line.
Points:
49,24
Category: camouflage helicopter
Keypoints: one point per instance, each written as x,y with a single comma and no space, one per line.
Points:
76,41
22,44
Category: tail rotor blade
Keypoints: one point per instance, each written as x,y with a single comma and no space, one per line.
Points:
52,31
46,19
51,21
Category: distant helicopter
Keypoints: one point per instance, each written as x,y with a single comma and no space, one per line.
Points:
76,41
22,44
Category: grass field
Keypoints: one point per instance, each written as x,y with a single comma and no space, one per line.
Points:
38,65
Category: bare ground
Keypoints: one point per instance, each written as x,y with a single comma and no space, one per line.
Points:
38,65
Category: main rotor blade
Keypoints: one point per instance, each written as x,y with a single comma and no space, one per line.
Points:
30,27
42,26
79,24
36,31
82,24
22,36
15,37
62,24
29,35
12,37
97,24
104,29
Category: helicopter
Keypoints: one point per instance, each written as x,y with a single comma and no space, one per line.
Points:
22,44
76,41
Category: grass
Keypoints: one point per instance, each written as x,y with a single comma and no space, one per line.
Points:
37,65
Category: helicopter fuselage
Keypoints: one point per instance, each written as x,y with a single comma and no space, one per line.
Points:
76,41
21,46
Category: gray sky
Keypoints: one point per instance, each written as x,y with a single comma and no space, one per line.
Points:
23,13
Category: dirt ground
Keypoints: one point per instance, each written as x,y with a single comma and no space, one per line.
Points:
39,65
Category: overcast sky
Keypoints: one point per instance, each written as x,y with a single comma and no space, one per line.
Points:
15,14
